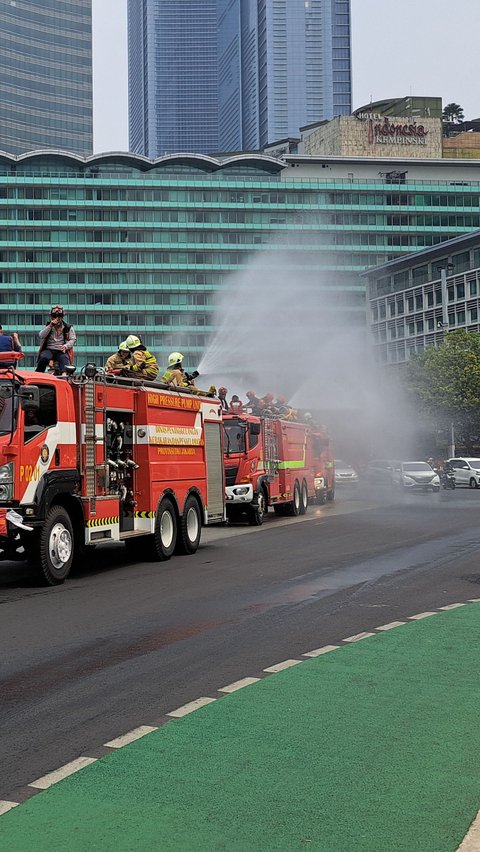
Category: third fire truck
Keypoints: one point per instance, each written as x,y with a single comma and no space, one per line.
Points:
92,458
275,462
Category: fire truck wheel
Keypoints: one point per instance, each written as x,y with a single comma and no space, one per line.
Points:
293,508
257,512
165,530
56,546
304,498
190,527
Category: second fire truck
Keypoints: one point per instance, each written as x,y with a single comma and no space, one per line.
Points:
275,462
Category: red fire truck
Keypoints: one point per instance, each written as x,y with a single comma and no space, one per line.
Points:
91,458
274,462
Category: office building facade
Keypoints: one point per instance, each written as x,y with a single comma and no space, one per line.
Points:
130,244
172,76
414,300
46,75
233,75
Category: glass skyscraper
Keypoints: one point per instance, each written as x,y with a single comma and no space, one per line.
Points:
46,75
232,75
173,80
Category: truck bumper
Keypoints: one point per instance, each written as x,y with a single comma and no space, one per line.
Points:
237,494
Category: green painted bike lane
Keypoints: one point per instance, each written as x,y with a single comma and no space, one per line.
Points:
370,748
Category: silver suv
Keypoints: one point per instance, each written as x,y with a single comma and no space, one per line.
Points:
415,476
466,471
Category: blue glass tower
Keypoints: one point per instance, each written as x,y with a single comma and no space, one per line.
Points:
173,78
46,75
304,64
282,64
232,75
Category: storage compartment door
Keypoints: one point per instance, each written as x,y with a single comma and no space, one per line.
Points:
215,479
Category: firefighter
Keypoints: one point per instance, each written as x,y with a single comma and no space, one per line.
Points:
222,395
236,405
143,363
176,376
253,402
120,360
57,340
281,406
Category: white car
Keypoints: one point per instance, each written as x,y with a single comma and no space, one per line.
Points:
415,476
345,473
466,471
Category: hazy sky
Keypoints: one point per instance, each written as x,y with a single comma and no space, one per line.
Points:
402,47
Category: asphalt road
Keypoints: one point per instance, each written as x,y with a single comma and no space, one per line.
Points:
121,644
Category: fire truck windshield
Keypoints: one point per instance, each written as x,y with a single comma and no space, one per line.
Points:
235,436
8,409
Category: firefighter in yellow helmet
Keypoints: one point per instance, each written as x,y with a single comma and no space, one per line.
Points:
120,360
143,363
176,376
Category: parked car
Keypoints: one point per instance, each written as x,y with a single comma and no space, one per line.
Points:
415,476
466,471
380,471
345,473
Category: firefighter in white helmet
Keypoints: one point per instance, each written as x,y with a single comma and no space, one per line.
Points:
144,364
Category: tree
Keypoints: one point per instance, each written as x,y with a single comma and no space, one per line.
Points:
445,384
453,113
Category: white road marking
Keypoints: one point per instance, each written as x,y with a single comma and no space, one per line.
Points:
420,615
391,625
473,600
7,806
452,606
189,708
319,651
280,667
239,684
131,736
471,841
358,637
46,781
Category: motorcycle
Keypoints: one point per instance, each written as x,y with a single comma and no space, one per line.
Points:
447,479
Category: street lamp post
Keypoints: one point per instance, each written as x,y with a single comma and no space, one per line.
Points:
444,324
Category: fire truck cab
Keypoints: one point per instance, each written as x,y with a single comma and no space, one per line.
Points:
91,458
274,462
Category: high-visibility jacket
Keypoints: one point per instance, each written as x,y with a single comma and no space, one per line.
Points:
118,362
144,364
174,377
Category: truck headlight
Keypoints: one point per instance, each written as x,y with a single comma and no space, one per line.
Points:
240,491
6,473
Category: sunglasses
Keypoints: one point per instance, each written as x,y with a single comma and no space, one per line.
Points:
56,316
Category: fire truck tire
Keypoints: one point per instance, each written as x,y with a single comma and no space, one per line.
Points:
257,512
331,495
293,508
56,546
165,536
190,528
303,498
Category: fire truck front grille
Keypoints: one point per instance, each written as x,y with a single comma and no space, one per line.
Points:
231,475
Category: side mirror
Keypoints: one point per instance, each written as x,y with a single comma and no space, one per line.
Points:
254,428
29,396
